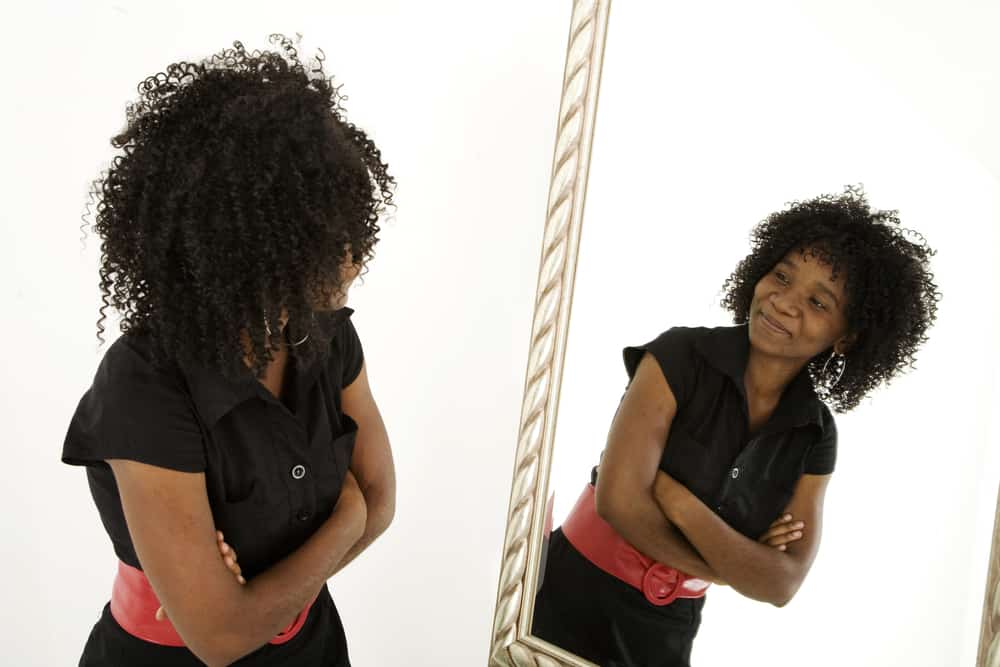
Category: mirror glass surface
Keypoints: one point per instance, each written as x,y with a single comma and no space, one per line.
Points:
711,117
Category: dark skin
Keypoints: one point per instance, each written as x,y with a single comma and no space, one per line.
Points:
219,615
797,312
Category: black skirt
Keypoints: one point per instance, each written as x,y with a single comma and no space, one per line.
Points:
586,611
320,642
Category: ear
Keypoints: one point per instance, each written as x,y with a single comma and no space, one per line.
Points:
845,343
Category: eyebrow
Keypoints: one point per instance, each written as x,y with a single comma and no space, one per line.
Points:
817,285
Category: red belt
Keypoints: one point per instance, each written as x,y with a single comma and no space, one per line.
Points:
134,605
601,544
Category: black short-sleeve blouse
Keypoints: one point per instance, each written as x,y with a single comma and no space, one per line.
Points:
747,478
273,468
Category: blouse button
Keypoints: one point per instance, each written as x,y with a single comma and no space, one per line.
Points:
298,472
735,473
303,515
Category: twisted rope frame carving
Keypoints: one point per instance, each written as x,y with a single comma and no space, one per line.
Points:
989,639
511,643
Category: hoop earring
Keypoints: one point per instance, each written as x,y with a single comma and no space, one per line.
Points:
306,337
291,344
826,385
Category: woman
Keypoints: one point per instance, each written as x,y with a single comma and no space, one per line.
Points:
721,450
234,413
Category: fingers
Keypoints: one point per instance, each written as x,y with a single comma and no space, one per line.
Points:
161,614
781,540
782,532
783,529
229,557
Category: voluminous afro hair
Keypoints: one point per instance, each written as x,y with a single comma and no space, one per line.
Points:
242,189
891,295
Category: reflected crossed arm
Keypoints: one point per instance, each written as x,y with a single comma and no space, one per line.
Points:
756,570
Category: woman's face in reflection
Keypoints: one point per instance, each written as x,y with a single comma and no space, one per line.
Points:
798,309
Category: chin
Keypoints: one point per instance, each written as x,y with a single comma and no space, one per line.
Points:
763,339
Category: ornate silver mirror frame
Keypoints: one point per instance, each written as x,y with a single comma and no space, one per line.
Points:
989,634
512,642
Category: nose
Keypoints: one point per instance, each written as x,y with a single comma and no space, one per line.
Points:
784,303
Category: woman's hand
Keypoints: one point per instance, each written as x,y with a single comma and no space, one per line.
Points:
228,557
784,530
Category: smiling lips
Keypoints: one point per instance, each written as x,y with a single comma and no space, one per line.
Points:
774,326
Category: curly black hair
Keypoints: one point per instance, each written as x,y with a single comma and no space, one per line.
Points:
892,298
242,189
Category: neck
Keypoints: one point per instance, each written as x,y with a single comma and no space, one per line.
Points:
277,354
766,377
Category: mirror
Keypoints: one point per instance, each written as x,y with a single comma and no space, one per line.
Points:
711,118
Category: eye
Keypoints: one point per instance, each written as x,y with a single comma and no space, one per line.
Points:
818,304
782,278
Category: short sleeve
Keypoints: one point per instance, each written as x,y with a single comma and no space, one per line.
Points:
352,357
674,352
132,411
822,458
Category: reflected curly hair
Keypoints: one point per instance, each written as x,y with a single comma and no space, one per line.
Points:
891,295
242,190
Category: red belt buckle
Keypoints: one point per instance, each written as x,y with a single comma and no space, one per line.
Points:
661,584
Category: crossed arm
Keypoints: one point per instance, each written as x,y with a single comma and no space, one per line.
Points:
754,569
668,523
220,619
371,463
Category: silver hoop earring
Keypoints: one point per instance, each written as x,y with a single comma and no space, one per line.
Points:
306,337
826,385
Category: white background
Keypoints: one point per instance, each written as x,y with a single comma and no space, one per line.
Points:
711,116
462,99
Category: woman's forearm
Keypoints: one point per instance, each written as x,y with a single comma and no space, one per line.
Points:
753,569
381,509
271,600
644,526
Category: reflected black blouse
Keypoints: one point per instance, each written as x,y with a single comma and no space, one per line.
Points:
747,478
273,468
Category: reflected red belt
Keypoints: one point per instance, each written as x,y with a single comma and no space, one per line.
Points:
134,605
601,544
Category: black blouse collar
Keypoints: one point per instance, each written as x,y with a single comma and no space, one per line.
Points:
728,350
215,395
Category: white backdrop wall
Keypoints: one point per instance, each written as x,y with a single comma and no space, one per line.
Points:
462,99
713,115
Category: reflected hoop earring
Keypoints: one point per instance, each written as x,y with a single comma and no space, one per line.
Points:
840,364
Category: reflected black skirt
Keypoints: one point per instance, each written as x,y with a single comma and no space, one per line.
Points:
586,611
